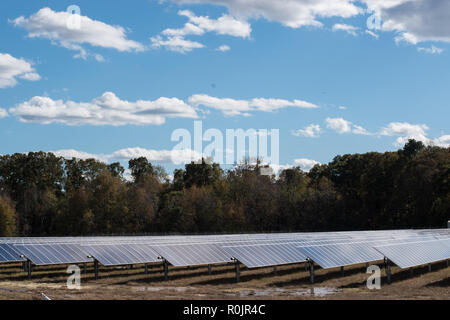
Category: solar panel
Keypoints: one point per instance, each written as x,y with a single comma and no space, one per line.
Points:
121,254
406,255
9,254
52,254
256,256
339,255
193,254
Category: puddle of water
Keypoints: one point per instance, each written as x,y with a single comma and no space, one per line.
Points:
313,292
317,292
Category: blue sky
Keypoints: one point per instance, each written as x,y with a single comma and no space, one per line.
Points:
341,87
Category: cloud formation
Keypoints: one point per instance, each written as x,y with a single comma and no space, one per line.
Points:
342,126
311,131
12,68
232,107
105,110
405,131
290,13
414,21
223,48
352,30
306,164
174,39
3,113
55,26
159,156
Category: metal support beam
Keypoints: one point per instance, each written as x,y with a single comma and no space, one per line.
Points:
166,270
24,266
29,269
146,268
96,269
236,264
367,265
209,269
311,270
388,271
306,266
85,268
429,267
275,270
411,270
342,270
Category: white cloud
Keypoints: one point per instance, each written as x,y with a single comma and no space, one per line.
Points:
12,68
3,113
223,48
342,108
414,20
359,130
225,25
341,126
71,153
305,164
177,44
105,110
54,26
311,131
161,156
346,27
443,141
406,131
431,50
291,13
232,107
174,39
373,34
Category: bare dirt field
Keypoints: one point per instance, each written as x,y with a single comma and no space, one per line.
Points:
290,282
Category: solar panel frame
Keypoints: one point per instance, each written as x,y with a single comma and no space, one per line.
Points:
122,254
52,254
193,254
412,254
266,255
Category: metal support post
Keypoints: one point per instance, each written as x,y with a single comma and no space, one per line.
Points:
166,270
388,271
96,269
311,270
29,269
236,264
209,269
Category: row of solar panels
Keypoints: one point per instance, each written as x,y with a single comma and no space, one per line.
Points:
405,248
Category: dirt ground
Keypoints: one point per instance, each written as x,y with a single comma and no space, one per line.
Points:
290,282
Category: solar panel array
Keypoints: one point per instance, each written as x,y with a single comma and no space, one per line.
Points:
328,249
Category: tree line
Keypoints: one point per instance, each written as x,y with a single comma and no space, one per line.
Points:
45,195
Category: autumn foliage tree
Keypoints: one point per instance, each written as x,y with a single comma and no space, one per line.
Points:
45,195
